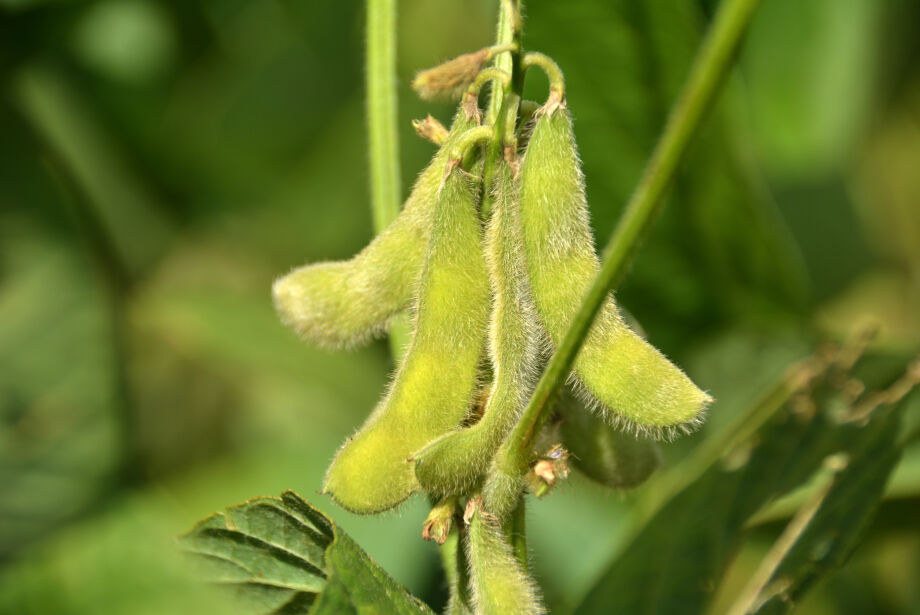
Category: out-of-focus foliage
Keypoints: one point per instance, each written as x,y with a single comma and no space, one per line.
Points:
162,161
813,418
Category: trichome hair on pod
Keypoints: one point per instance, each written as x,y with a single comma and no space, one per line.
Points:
603,452
436,381
492,289
630,382
345,303
499,581
455,463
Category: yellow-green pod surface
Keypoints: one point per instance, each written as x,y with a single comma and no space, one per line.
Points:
500,585
615,367
435,383
602,452
456,462
344,303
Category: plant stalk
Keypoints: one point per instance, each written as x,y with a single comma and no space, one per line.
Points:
706,74
383,136
509,33
499,114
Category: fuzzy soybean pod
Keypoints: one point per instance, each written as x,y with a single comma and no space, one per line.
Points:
435,383
455,463
633,384
602,452
500,584
344,303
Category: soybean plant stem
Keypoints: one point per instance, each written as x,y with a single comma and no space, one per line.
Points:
710,66
383,137
509,33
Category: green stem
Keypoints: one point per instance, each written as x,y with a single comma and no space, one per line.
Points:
517,532
509,33
489,74
470,138
383,138
456,568
710,66
548,66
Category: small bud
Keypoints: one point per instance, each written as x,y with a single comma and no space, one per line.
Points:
430,129
549,469
451,79
473,505
439,521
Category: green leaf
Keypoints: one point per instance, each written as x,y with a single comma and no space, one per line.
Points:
838,524
674,561
281,555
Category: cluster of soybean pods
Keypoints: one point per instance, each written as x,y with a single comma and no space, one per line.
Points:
489,258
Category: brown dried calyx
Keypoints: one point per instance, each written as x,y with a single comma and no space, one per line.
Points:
431,130
449,80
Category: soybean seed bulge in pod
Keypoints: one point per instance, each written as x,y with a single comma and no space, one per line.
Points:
436,381
345,303
624,376
455,463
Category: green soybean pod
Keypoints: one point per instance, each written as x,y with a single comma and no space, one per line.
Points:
455,463
631,381
500,584
345,303
434,385
602,452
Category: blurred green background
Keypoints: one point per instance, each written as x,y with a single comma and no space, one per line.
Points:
162,160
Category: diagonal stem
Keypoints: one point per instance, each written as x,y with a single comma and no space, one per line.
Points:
709,68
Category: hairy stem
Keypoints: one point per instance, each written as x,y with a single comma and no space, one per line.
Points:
383,138
509,33
517,531
710,66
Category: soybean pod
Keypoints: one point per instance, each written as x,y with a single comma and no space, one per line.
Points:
500,584
434,385
345,303
632,383
606,454
455,463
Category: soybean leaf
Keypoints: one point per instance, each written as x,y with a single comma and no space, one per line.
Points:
675,560
838,524
281,555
